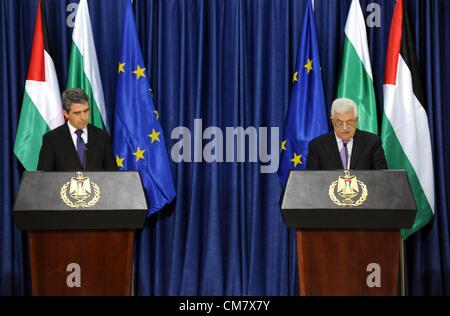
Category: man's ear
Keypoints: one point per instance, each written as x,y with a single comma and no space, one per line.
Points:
66,114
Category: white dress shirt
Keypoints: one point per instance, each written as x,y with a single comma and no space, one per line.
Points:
72,130
349,148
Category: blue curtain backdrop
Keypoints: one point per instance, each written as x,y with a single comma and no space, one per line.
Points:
229,63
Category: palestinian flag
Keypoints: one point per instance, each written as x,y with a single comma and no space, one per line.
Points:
83,66
405,132
355,80
41,106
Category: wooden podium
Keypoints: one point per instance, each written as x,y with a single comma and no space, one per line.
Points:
348,229
81,230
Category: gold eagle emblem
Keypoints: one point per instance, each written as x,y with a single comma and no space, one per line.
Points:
348,188
80,190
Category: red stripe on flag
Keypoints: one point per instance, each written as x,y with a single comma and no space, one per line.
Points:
36,70
395,39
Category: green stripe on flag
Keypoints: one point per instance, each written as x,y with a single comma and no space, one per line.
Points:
397,159
354,83
77,78
29,134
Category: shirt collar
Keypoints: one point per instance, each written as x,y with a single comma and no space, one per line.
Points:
73,129
339,141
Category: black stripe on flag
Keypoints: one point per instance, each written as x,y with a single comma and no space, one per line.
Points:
44,29
408,53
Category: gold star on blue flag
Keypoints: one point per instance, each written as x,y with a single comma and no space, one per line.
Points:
135,121
306,117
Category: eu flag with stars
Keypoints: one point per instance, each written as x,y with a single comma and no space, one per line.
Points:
138,137
306,116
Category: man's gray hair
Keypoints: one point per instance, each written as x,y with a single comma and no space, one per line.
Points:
344,105
73,95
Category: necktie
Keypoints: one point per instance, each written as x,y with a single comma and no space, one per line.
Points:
344,154
80,146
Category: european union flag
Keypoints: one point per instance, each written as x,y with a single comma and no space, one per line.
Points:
306,116
138,136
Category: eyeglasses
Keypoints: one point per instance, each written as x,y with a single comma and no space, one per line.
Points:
349,123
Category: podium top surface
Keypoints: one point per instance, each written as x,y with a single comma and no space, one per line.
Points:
316,199
80,200
120,190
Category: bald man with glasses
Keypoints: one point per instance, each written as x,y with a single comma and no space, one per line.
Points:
346,147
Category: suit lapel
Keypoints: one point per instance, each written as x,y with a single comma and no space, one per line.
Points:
356,150
333,150
91,140
69,146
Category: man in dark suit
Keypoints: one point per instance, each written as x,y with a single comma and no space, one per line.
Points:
346,147
76,145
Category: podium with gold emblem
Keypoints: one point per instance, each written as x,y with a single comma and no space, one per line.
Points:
348,229
80,230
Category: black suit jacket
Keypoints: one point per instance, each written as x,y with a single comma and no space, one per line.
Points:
367,153
58,151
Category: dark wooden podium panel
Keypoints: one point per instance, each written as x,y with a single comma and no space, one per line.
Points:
334,261
105,260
